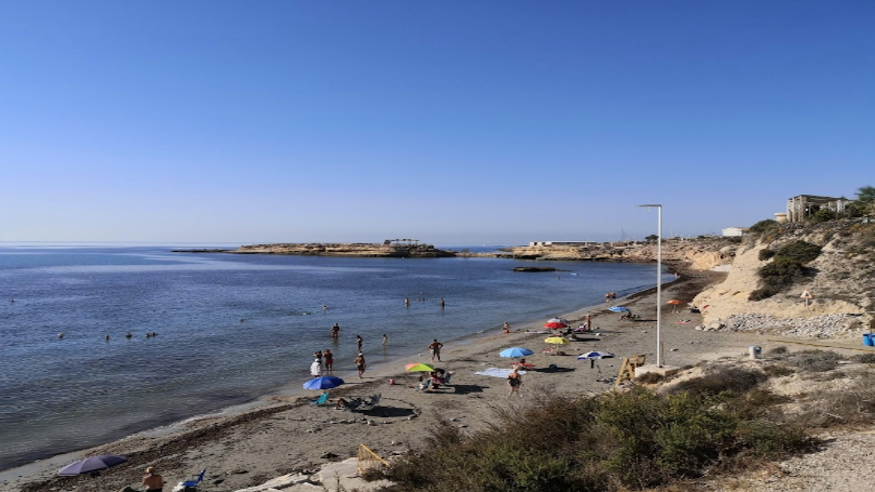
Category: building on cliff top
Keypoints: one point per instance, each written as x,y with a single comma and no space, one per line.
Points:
801,208
533,244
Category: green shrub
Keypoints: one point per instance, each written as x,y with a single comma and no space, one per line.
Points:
764,226
612,442
799,251
823,215
766,254
727,379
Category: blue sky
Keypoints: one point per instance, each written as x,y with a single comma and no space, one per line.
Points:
449,122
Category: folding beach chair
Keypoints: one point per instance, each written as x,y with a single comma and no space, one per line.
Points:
322,400
191,485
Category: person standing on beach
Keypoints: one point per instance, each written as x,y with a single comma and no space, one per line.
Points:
358,342
316,368
153,481
360,364
587,323
435,348
329,360
607,297
514,380
335,331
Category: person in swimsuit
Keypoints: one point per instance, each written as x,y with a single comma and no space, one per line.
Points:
153,481
514,380
329,360
435,348
360,364
335,331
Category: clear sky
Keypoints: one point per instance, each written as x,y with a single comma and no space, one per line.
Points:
452,122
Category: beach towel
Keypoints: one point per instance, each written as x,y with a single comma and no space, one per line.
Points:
496,372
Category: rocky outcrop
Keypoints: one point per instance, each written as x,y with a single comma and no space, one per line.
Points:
346,249
841,280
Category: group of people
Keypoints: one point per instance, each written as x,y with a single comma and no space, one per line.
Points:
322,359
610,296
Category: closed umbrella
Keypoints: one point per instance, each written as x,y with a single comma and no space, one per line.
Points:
92,464
515,352
323,383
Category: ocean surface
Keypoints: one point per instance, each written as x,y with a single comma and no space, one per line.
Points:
232,328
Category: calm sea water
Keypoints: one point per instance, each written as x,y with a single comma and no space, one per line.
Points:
231,328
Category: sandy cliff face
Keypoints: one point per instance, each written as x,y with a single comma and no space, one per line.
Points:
842,287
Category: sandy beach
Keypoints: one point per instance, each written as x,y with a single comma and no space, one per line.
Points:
286,434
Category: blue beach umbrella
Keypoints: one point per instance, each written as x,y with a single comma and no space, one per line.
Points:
619,309
515,352
322,383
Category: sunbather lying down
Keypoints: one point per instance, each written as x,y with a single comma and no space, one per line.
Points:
344,404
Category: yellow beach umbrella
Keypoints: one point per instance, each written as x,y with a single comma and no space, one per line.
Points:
557,340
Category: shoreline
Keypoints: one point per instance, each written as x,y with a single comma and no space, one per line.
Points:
409,411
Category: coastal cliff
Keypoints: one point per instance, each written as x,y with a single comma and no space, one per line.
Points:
385,250
840,280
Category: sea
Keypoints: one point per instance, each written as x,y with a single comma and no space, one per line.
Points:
77,368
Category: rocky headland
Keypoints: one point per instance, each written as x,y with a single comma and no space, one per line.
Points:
384,250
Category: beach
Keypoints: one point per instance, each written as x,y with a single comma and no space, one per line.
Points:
285,434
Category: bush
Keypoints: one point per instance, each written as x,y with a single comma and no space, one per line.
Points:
800,251
814,361
823,215
612,442
764,226
766,254
727,379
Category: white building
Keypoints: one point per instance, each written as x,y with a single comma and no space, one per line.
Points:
734,231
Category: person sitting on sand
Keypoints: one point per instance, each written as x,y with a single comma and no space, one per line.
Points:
152,480
505,328
340,404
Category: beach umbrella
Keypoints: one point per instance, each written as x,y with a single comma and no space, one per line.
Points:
555,323
595,354
419,367
515,352
92,464
557,340
322,383
675,302
619,309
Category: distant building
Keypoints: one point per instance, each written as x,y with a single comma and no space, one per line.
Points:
562,243
734,231
801,208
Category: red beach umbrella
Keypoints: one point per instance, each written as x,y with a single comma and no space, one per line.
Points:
556,323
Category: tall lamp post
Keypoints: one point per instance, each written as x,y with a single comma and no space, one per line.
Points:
658,207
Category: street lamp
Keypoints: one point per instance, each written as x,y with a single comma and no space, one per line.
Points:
658,281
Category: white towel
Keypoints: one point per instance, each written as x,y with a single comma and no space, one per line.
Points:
496,372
